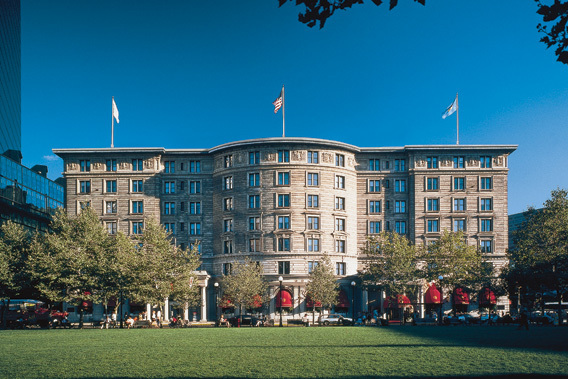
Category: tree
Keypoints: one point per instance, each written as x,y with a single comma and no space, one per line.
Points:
244,284
184,263
322,287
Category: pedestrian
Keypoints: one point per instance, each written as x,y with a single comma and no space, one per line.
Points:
306,320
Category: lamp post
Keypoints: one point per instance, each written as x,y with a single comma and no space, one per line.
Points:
216,285
353,284
280,279
440,278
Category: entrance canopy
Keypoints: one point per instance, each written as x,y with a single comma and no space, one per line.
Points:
432,295
284,297
460,296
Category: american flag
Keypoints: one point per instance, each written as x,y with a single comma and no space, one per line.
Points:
278,102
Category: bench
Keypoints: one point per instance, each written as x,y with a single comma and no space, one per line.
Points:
142,324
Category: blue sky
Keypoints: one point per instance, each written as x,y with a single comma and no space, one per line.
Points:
197,74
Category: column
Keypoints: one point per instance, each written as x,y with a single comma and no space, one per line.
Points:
203,304
148,312
186,312
365,300
166,315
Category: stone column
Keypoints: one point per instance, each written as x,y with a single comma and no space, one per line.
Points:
365,300
166,315
203,304
186,312
148,312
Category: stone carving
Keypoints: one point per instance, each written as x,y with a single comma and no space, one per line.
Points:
124,165
269,157
239,157
351,162
297,155
420,162
326,157
473,162
498,161
149,163
97,166
72,166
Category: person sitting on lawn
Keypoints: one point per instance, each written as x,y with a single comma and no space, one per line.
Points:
129,322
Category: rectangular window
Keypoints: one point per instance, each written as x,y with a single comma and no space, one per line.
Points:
111,227
228,182
169,187
459,225
170,227
182,207
486,183
169,208
137,186
313,222
195,166
194,187
400,227
283,244
313,157
374,186
374,165
339,268
459,184
432,162
254,157
169,167
254,201
374,227
340,203
400,206
433,226
284,267
313,244
283,178
111,164
485,162
283,200
339,246
283,222
195,228
313,201
228,204
227,267
400,164
432,184
459,162
459,205
375,206
111,207
138,207
486,246
85,186
228,225
340,224
283,156
254,223
228,248
85,165
254,245
137,165
486,225
339,182
433,205
137,227
400,185
195,208
228,161
254,179
340,160
486,204
111,186
311,266
182,227
313,179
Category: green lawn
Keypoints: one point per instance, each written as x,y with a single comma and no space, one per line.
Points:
332,352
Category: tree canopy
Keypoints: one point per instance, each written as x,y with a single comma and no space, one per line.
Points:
245,285
322,286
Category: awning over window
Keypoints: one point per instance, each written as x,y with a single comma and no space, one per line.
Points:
343,300
432,295
460,296
257,301
310,303
285,297
226,302
396,302
487,297
390,302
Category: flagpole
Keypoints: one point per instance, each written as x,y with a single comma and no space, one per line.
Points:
112,123
283,114
458,118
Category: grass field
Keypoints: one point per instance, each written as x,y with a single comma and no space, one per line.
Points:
332,352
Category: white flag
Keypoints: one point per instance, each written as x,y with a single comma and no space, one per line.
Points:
115,111
451,109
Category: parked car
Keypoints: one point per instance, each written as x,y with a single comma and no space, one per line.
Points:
334,319
247,320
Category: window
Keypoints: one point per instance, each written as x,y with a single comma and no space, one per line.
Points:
387,165
170,227
137,186
254,201
340,160
284,267
182,207
138,206
340,182
227,267
182,186
374,186
339,268
137,227
432,184
340,203
195,166
459,184
169,167
486,183
313,244
181,166
432,162
313,222
485,162
486,246
374,165
433,205
111,186
85,186
387,225
459,205
111,227
400,185
433,226
254,223
486,204
387,204
228,204
169,187
137,165
283,222
254,179
228,247
111,207
254,157
313,201
386,183
374,227
195,208
254,245
400,206
228,182
313,157
228,225
283,244
283,200
111,164
194,187
400,227
339,246
340,224
195,228
169,208
182,227
313,179
459,162
283,156
312,265
85,165
374,206
459,225
486,225
84,204
283,178
228,161
400,164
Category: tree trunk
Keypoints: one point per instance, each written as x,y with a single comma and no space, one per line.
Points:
4,314
81,314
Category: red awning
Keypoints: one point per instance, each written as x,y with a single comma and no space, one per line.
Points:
226,302
460,296
390,302
487,297
402,300
310,303
432,295
343,300
286,297
257,301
